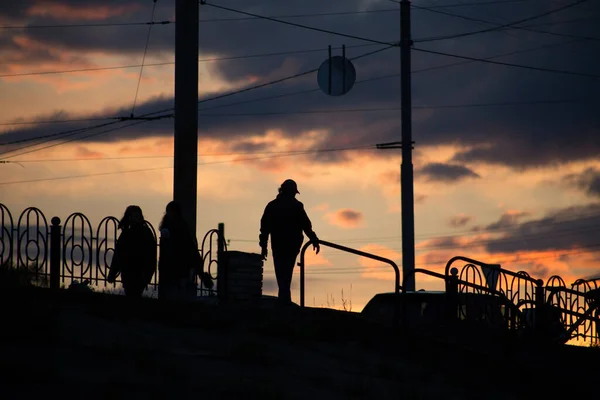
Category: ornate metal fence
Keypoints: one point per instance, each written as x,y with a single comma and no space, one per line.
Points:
56,255
573,308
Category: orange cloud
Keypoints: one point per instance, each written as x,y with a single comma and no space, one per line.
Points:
85,12
321,207
84,152
316,260
345,218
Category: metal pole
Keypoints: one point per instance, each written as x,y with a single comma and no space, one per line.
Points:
406,170
221,267
55,253
185,174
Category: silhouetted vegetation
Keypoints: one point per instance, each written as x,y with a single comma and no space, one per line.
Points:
12,276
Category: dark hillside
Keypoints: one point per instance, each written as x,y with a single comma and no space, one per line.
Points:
91,345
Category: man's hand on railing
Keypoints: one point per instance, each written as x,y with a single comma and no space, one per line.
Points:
316,247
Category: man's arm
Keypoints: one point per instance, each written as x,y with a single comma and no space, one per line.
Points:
116,263
265,228
307,225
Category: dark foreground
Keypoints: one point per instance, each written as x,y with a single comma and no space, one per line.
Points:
90,346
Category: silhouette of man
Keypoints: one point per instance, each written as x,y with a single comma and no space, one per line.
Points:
285,219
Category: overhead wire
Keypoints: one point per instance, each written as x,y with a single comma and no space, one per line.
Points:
272,54
148,115
276,155
488,61
502,26
380,268
330,32
143,58
327,14
210,59
469,60
96,25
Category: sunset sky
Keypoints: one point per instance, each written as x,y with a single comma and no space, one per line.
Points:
506,158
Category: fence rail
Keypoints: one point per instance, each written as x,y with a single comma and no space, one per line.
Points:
55,254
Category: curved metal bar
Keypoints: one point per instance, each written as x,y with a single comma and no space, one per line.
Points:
77,234
348,250
6,236
107,229
483,264
34,233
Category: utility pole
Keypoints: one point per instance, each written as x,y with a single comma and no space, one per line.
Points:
185,174
406,169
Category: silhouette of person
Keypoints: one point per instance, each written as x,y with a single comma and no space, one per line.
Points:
179,259
135,253
285,219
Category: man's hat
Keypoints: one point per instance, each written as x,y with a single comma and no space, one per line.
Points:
289,186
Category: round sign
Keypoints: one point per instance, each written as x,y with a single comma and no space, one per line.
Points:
336,76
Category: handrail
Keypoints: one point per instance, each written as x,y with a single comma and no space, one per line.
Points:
537,282
349,250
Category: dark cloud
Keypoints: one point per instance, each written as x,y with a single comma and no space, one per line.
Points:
346,218
576,227
438,172
506,221
588,181
521,137
460,221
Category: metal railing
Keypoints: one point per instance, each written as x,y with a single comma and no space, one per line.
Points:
56,254
301,264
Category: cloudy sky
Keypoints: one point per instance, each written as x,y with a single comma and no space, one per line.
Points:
505,124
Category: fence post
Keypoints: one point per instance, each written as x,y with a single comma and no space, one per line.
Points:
452,294
221,270
55,253
540,306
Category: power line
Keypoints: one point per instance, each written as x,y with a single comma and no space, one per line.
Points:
556,10
381,109
271,97
350,110
282,154
383,10
509,64
299,25
202,101
54,121
82,130
360,81
380,268
212,59
63,133
88,25
479,3
591,217
143,58
502,26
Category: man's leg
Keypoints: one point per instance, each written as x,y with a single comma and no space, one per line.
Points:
284,268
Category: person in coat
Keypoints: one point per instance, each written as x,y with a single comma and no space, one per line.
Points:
135,253
179,258
284,219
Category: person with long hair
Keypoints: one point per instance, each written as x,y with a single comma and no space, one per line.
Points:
284,219
179,259
135,253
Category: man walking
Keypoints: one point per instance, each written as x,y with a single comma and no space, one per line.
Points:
285,219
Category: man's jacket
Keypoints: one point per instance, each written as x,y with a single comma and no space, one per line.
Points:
285,219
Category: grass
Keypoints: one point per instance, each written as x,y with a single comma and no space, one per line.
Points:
346,301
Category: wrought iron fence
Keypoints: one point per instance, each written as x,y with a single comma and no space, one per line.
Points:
576,313
55,254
